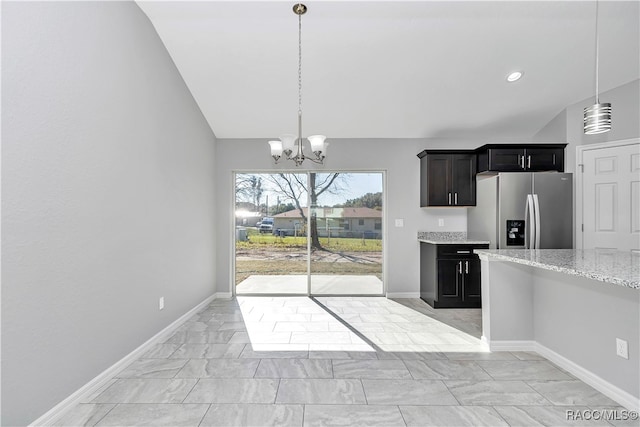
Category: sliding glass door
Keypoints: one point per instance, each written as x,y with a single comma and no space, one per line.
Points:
309,233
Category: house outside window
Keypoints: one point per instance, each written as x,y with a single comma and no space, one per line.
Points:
378,225
361,222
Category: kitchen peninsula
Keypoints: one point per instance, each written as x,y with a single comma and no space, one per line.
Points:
570,306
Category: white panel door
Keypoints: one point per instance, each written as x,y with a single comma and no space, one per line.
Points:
611,197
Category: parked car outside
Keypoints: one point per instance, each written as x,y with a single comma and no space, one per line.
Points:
266,225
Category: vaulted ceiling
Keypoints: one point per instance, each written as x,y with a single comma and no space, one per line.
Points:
395,69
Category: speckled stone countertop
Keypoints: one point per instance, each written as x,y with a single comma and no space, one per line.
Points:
617,267
448,238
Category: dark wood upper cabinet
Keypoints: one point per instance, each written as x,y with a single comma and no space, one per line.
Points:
521,157
447,178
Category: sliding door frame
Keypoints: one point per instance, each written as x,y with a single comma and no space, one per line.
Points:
307,172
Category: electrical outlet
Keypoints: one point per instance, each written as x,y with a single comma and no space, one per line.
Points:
161,303
399,222
440,222
622,348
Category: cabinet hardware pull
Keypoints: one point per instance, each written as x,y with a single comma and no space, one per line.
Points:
554,160
528,162
463,252
460,267
466,267
521,161
449,198
455,197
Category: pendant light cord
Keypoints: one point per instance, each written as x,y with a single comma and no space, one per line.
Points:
597,57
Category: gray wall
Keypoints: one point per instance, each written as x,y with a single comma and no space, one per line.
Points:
395,156
567,126
107,196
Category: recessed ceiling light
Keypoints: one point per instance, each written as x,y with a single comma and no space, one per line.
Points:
515,76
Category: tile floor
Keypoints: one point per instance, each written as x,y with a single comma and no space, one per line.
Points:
339,361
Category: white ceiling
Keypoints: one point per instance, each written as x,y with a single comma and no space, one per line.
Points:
395,69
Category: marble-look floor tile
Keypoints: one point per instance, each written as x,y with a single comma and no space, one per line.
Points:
407,392
446,369
495,393
522,370
240,337
152,368
388,338
571,393
294,368
341,347
146,391
529,416
392,369
301,327
321,337
161,351
410,353
89,398
208,351
256,415
527,355
219,368
225,317
233,390
480,355
326,354
233,326
321,391
85,414
451,416
352,416
286,352
263,337
187,415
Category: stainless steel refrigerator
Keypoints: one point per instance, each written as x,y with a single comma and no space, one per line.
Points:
516,210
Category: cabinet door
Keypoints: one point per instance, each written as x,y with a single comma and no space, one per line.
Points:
472,279
439,180
449,281
506,159
464,179
544,159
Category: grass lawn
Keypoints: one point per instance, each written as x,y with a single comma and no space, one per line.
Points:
257,240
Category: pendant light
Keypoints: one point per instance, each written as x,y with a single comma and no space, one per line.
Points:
597,118
290,143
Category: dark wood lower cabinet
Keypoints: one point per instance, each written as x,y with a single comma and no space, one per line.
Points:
450,275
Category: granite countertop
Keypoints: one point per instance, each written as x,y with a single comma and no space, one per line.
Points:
605,265
448,238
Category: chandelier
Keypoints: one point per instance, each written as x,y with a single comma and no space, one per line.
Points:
289,144
597,118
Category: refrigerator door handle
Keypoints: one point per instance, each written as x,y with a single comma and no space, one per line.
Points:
528,213
536,208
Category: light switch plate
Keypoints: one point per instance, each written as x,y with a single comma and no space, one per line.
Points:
399,222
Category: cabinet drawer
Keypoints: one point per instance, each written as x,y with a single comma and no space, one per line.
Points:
459,251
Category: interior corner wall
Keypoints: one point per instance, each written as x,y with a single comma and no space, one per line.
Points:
567,126
108,196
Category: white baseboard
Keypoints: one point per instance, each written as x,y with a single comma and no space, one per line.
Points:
403,294
613,392
223,295
58,411
511,345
